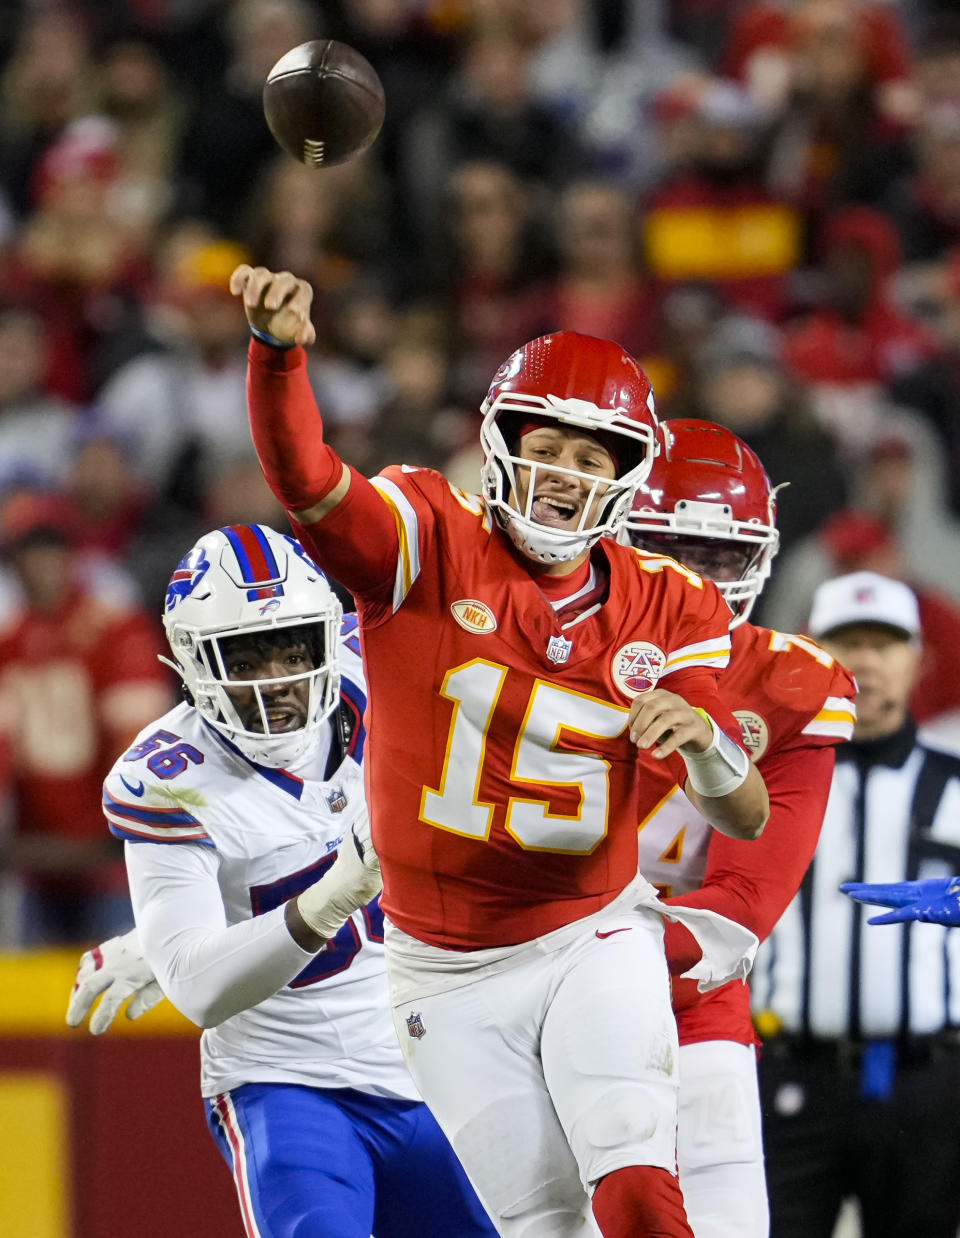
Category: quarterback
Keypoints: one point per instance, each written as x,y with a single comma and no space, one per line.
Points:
526,675
255,889
709,503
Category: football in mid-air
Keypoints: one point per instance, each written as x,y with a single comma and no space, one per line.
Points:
323,102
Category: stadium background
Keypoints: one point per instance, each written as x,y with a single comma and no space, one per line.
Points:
759,198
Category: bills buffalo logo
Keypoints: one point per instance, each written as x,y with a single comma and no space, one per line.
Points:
184,581
267,607
637,667
415,1026
754,731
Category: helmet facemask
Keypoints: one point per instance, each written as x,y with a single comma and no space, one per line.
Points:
703,523
506,475
294,611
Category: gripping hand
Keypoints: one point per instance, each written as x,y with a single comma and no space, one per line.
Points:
117,969
349,884
935,901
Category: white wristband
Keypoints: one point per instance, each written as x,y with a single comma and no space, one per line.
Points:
719,769
349,884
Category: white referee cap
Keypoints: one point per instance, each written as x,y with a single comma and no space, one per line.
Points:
864,597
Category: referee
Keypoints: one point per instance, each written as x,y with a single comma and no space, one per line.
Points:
860,1070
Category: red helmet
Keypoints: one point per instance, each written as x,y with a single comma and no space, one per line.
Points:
578,381
707,486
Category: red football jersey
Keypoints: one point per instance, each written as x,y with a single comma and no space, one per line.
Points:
74,686
503,786
794,703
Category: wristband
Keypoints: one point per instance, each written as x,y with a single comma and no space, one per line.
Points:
271,340
719,769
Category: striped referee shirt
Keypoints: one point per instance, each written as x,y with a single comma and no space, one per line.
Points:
893,815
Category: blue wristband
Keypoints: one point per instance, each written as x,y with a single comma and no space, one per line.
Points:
266,338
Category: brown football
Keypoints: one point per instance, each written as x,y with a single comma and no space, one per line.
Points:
323,102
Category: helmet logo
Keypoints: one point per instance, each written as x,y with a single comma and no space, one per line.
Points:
756,734
509,369
267,607
474,616
637,667
190,571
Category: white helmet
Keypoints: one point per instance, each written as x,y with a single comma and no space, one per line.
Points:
249,580
579,382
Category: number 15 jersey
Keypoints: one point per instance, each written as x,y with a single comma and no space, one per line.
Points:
504,790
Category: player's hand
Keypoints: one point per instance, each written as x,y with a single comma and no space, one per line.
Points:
664,722
275,302
349,884
117,969
935,901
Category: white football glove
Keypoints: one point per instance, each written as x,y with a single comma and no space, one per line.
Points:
350,882
118,969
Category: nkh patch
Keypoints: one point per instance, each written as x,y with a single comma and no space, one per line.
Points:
415,1026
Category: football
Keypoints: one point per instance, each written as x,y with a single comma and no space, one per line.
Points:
323,102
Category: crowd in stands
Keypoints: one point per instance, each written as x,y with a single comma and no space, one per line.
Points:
759,198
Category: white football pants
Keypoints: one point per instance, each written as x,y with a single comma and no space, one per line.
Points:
719,1141
547,1065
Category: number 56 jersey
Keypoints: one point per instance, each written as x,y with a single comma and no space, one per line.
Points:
504,788
233,841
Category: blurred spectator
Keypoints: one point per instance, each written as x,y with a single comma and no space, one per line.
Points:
934,389
855,541
487,115
226,143
79,261
856,339
329,227
901,485
45,84
134,90
600,289
846,103
78,678
718,222
36,429
234,493
493,264
173,408
826,49
741,383
924,205
419,423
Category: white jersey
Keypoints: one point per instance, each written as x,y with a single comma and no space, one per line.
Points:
215,846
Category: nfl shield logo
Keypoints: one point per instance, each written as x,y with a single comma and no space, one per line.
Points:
337,799
415,1026
558,649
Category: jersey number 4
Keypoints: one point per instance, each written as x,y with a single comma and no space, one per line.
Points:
474,688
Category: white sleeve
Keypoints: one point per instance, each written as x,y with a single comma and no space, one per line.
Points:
209,970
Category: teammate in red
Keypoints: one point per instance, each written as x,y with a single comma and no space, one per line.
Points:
709,503
513,660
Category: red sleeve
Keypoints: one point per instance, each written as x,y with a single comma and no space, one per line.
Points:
754,882
699,687
357,542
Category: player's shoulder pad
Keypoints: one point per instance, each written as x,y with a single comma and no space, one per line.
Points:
798,675
157,789
431,485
